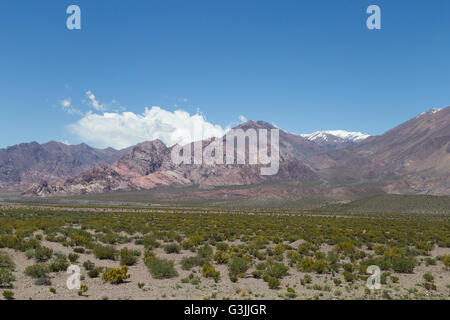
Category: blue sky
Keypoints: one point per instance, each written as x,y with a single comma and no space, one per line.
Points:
302,65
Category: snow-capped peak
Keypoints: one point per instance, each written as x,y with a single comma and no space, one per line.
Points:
431,111
333,135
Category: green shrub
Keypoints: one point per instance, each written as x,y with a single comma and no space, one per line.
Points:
150,242
128,257
428,277
6,261
305,248
8,295
305,265
446,261
58,264
43,281
105,252
221,257
37,271
88,265
161,268
6,270
403,264
279,249
348,276
73,257
6,277
187,263
238,265
277,270
79,250
83,290
172,248
345,247
43,254
221,246
384,276
320,266
210,272
30,253
59,254
272,282
205,252
429,286
379,249
430,261
95,272
257,274
348,267
293,256
187,245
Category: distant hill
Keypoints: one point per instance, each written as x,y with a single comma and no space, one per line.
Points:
390,203
53,161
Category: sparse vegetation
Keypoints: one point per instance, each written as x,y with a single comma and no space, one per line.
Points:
334,253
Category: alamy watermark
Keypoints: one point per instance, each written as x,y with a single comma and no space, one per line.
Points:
213,154
374,20
73,22
374,281
74,280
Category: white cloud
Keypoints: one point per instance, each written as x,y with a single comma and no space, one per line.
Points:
121,130
66,105
242,118
94,102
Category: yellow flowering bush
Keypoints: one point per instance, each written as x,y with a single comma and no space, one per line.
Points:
116,275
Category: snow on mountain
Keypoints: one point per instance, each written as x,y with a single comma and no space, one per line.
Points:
431,111
335,139
341,134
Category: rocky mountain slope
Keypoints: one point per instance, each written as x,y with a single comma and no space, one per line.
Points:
148,165
53,162
412,157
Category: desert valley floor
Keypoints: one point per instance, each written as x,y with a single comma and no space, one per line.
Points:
216,253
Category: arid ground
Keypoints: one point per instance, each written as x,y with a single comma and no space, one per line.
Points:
175,253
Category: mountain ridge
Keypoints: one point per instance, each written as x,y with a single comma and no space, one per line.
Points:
413,157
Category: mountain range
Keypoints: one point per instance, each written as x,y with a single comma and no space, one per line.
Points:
412,158
27,163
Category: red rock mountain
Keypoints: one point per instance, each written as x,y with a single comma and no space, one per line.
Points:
411,158
148,165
